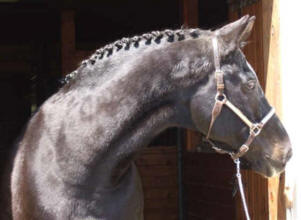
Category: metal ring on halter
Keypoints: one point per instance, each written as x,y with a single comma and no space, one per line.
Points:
223,96
256,129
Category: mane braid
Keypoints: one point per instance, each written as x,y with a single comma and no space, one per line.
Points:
126,43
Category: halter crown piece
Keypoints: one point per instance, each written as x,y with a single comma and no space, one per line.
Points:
255,128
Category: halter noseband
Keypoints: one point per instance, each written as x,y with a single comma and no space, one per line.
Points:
221,100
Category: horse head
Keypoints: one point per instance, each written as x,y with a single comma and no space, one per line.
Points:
178,69
271,149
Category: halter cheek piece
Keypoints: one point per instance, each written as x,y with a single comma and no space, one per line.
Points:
221,100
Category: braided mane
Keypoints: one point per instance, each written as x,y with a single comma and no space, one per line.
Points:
126,43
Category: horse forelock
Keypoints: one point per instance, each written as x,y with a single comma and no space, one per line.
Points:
127,43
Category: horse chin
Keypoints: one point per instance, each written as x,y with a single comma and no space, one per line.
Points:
268,172
264,169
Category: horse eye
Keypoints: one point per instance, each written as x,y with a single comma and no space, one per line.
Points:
251,84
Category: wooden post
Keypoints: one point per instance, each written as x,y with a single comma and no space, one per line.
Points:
190,18
70,56
67,40
264,196
271,32
190,13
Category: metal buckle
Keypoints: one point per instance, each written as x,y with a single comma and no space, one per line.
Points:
256,129
241,151
219,80
221,97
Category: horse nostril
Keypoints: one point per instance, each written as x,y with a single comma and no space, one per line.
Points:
289,154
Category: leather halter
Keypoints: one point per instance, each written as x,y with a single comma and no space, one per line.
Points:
221,100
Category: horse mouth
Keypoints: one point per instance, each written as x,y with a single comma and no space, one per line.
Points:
267,168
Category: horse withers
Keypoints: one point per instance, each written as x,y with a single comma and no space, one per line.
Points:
75,160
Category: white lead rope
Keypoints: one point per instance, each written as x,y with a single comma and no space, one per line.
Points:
241,188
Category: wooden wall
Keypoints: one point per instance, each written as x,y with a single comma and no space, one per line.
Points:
158,170
208,186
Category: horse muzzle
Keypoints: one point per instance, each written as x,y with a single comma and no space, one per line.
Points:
279,161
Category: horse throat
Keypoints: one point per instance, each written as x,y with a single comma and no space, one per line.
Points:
131,142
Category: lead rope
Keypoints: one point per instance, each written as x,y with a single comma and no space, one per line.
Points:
238,175
241,188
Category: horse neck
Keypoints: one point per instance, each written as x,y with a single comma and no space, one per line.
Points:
119,118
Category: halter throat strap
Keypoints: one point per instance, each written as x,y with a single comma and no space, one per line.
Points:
221,100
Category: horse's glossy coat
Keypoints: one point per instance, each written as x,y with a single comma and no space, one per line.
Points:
75,160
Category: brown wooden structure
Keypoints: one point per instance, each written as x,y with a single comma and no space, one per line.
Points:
47,40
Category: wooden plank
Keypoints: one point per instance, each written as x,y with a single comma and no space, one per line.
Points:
159,181
208,161
67,40
190,14
160,150
190,18
206,177
160,204
193,139
158,170
271,47
210,194
209,210
161,214
271,41
149,159
170,193
71,58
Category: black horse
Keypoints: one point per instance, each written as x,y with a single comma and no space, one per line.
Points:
75,160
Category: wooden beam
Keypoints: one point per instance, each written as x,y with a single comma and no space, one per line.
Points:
272,69
190,13
70,56
270,22
190,18
67,40
264,196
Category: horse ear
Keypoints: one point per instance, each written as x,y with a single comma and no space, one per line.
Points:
235,34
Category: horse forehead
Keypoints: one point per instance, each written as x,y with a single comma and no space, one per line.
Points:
244,62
